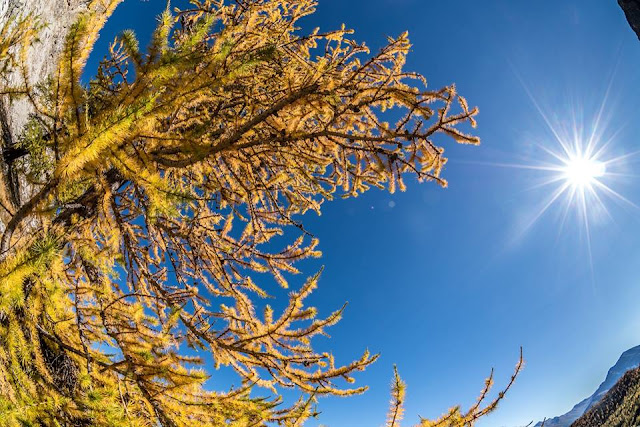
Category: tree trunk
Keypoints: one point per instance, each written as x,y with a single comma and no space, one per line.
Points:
57,17
632,11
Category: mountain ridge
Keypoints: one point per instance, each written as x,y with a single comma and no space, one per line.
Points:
620,406
627,361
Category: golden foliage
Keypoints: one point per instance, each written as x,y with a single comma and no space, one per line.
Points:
396,409
169,176
456,418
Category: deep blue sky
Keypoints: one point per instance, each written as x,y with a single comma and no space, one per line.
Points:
447,283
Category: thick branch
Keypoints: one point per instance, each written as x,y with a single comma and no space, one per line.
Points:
240,132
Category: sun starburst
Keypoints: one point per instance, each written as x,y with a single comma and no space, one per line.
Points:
583,172
579,171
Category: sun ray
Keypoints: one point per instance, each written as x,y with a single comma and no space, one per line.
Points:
553,180
600,202
541,167
544,116
557,156
587,228
567,208
623,157
555,196
612,193
605,99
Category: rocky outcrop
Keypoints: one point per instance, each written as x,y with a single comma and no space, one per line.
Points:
632,11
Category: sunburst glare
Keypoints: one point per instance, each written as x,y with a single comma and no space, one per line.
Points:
582,171
579,169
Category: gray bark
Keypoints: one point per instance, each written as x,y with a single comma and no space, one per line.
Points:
57,17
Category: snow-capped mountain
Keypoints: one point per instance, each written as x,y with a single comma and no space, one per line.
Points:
630,359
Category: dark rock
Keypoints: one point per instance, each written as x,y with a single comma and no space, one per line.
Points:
632,11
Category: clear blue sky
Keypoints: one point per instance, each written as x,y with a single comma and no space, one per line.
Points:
449,283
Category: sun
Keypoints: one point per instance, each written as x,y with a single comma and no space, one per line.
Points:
577,164
581,171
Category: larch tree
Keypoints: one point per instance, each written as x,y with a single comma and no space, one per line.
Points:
140,209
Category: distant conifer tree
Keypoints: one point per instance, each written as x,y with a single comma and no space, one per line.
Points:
158,188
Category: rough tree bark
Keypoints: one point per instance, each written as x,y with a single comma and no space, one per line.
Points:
632,11
57,17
